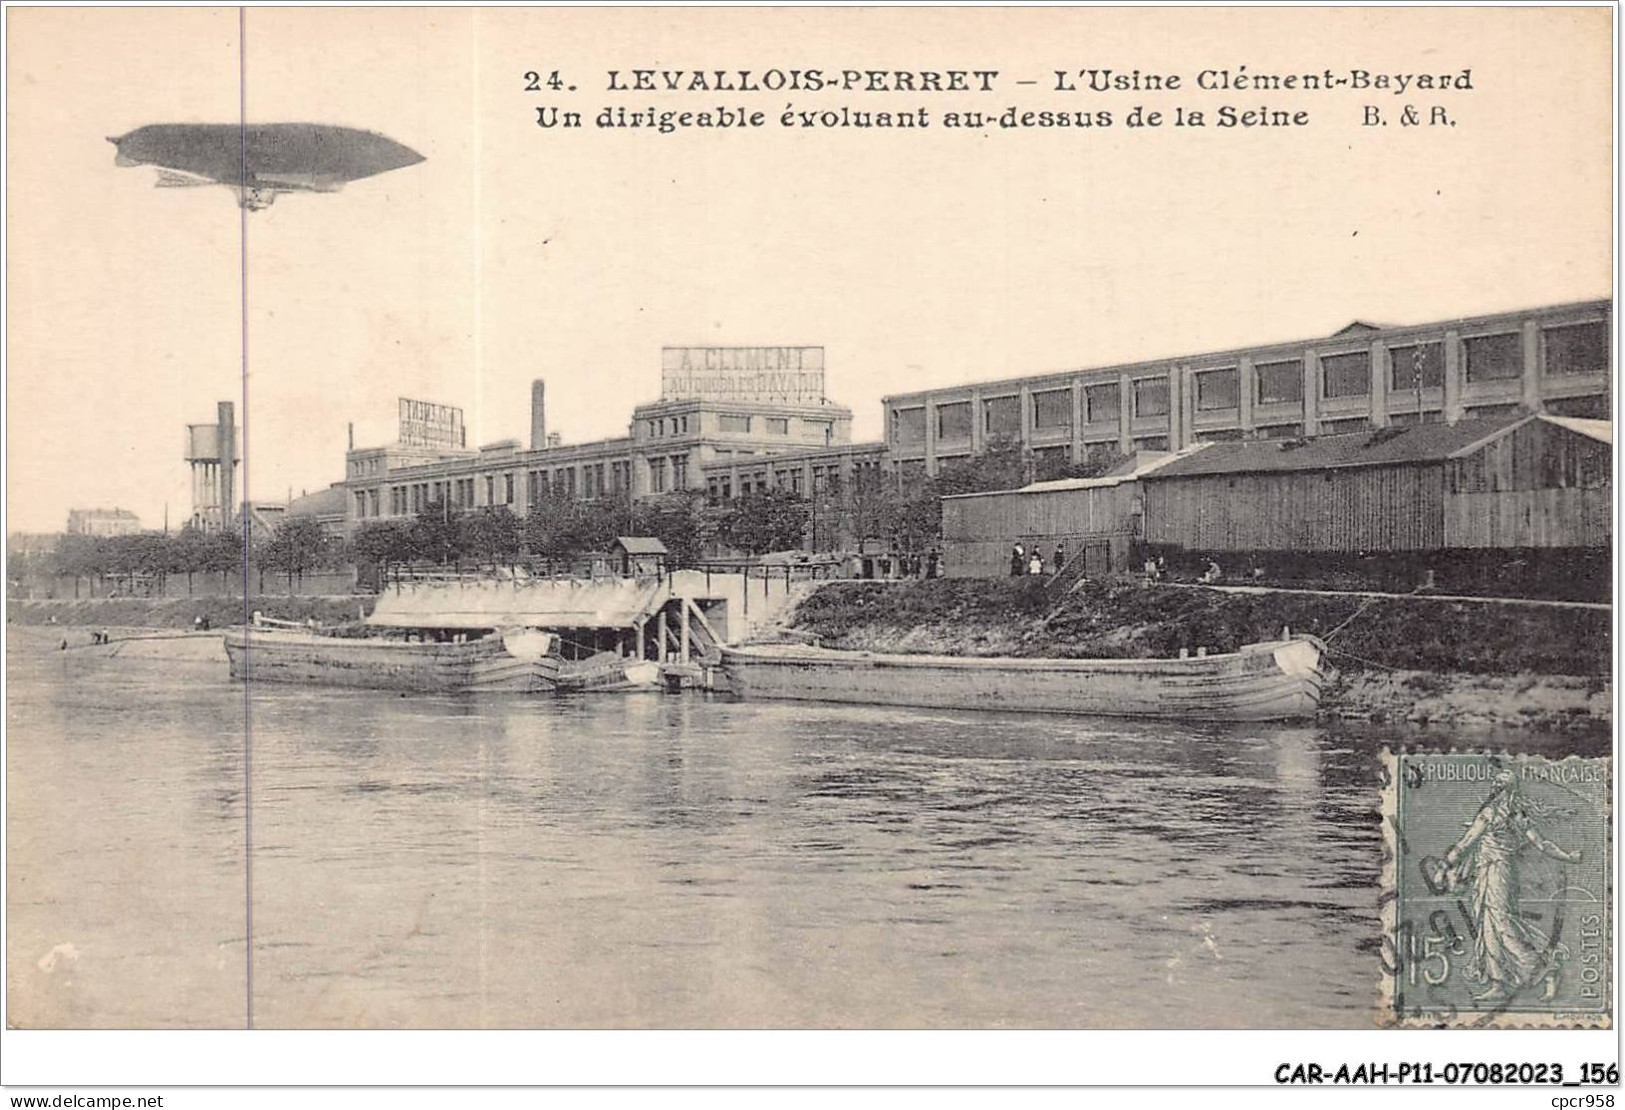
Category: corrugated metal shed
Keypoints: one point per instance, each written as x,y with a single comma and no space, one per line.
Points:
1531,481
1096,518
1384,447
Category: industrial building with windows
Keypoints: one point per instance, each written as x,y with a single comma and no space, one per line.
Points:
719,406
732,421
1553,360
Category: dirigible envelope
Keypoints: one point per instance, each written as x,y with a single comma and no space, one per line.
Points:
261,160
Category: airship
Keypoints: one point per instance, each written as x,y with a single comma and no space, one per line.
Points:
259,161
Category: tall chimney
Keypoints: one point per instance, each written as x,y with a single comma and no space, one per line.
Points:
225,430
352,435
538,415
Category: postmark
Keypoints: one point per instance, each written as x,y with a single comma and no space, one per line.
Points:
1496,905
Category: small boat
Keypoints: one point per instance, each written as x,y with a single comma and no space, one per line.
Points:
1277,680
514,660
605,671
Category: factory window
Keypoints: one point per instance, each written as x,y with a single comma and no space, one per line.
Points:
729,422
778,425
1001,416
1053,409
1151,443
1493,357
822,428
657,475
360,502
1343,427
536,483
1346,375
417,497
908,425
1280,382
1218,389
1576,349
685,424
1102,402
953,421
1151,396
1420,364
372,502
679,472
507,489
490,489
618,476
654,428
589,484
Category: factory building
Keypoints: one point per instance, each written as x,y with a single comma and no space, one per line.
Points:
1365,376
718,405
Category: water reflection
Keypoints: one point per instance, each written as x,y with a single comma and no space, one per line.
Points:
675,861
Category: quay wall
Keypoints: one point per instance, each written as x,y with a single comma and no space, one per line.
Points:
155,612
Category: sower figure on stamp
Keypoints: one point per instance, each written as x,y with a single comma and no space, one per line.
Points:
1510,954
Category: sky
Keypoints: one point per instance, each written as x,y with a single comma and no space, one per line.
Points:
916,259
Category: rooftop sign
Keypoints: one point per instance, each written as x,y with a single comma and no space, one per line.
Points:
426,424
781,375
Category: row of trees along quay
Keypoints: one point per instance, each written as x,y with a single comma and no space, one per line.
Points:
905,516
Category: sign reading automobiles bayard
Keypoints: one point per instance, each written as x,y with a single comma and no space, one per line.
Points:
426,424
784,375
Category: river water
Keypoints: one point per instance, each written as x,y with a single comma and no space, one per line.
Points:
660,860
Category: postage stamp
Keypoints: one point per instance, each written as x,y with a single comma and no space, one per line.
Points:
1496,905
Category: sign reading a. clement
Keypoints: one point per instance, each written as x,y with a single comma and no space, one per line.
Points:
426,424
782,375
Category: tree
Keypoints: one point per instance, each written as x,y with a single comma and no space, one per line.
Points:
80,556
1002,465
494,534
560,527
297,545
766,520
188,553
437,533
684,521
383,543
222,552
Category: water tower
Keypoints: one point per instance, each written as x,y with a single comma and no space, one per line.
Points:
211,449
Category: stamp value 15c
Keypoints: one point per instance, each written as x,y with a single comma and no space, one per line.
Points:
1496,907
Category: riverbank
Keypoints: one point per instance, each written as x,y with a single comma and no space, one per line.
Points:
1428,662
182,612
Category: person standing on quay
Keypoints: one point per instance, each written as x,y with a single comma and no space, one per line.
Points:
1018,561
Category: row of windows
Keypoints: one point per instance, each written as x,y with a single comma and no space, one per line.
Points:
668,426
678,471
1568,349
826,479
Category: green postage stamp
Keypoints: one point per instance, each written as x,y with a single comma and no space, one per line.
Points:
1496,905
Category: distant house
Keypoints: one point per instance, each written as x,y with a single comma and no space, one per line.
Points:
1098,520
102,522
635,555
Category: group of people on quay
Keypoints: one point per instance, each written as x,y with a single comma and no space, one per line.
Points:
1023,561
